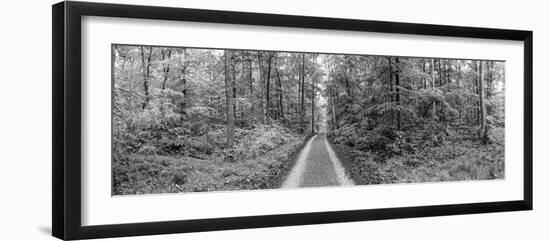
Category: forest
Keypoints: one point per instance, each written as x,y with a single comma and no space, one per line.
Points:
195,119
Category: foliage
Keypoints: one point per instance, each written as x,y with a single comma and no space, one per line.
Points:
182,108
361,167
402,119
260,139
148,173
190,119
456,158
466,160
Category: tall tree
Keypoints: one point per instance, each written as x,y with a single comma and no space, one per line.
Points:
183,78
268,86
390,75
440,72
459,82
434,113
280,91
146,68
490,69
313,105
332,93
344,72
234,86
302,91
483,131
229,98
166,66
391,92
397,97
251,85
423,73
262,87
476,90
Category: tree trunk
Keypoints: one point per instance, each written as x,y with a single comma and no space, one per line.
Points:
476,90
397,97
490,67
440,72
391,97
281,108
348,90
434,112
444,83
262,84
424,72
251,85
448,71
459,82
146,69
333,109
312,105
302,98
234,87
298,95
183,81
483,131
229,98
268,85
166,68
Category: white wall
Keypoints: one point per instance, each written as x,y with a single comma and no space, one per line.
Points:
25,120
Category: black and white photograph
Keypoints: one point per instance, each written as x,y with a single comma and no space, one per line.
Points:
209,120
192,119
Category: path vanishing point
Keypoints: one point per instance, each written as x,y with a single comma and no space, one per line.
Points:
316,166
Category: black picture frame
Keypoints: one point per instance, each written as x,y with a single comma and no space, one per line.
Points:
66,127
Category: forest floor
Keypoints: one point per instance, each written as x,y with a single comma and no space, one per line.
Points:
270,156
317,165
457,155
260,160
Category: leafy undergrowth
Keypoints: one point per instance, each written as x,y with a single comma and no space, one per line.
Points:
361,167
260,157
454,154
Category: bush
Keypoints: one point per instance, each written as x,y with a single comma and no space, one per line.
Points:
263,172
385,141
361,166
433,153
143,173
454,161
476,165
259,140
137,174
